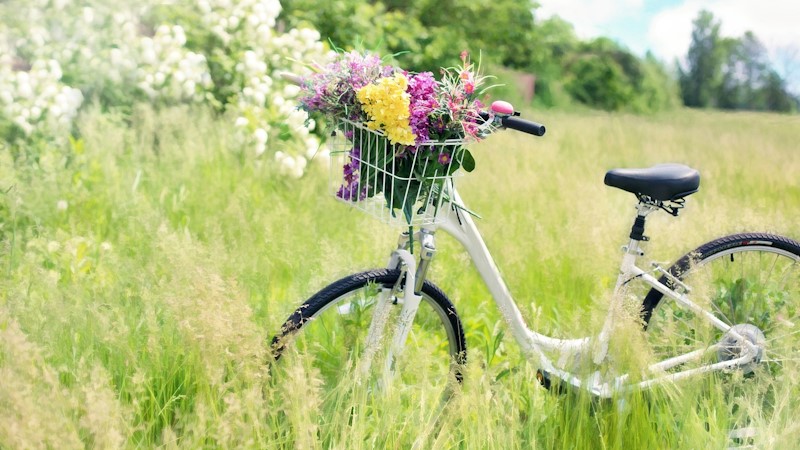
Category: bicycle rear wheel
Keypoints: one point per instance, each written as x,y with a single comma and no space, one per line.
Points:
751,282
328,333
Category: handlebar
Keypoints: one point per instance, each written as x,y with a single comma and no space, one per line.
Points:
526,126
505,117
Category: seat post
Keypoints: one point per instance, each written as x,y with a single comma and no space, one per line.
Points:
637,230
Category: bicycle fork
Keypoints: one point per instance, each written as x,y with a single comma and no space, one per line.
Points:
415,275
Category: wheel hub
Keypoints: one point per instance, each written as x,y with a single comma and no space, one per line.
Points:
732,347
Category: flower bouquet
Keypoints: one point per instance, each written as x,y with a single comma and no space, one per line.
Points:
401,134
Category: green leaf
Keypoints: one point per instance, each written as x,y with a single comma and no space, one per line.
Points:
467,161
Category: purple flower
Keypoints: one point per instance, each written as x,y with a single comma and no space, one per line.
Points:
422,89
332,91
350,189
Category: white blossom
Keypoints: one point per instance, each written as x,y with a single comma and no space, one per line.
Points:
109,42
260,135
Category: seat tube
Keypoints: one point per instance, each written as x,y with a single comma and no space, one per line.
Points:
627,271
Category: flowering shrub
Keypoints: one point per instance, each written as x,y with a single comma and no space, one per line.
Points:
37,99
168,71
57,55
421,125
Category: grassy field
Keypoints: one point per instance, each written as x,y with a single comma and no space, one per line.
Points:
145,267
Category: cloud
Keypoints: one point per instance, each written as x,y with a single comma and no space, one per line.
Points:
590,18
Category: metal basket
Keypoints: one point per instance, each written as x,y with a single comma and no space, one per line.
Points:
396,184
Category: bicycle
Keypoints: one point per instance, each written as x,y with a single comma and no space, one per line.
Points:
744,317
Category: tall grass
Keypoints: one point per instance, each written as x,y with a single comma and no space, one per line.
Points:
138,315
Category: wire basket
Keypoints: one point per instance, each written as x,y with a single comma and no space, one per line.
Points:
396,184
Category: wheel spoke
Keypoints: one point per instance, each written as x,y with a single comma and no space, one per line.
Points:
753,287
783,336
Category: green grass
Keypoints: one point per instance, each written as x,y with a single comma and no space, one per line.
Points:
139,316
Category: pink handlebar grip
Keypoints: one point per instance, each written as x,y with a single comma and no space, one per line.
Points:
501,107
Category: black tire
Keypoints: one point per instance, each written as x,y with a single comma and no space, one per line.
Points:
336,336
751,280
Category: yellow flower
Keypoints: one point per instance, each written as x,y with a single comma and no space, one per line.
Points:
386,104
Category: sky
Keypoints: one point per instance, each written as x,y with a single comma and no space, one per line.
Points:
664,26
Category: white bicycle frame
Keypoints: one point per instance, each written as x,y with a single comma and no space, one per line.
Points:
535,345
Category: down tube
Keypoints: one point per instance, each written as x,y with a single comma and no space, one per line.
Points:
463,229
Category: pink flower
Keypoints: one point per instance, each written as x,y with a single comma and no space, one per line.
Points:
469,81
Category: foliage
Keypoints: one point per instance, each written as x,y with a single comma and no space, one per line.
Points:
424,33
730,73
605,76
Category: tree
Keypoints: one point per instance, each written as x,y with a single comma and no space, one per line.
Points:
424,34
604,75
775,95
700,78
744,73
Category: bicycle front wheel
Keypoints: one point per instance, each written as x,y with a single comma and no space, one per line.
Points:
329,333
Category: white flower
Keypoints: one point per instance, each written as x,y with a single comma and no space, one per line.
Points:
288,164
261,135
259,98
105,246
260,148
55,69
88,15
24,89
189,88
312,146
26,127
291,90
241,122
61,205
159,78
180,36
297,119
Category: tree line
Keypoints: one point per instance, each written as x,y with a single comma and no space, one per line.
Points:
731,73
600,73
